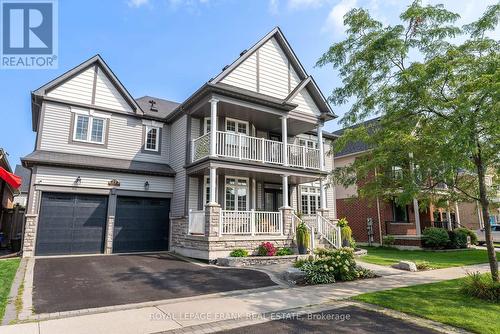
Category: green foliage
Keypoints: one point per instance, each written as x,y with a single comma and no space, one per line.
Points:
423,265
388,240
343,222
239,252
435,237
470,233
346,233
284,251
481,286
337,264
8,270
302,235
437,99
458,239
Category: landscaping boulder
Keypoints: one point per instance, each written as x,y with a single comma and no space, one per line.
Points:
294,275
406,265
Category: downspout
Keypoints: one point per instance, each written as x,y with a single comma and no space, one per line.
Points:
378,216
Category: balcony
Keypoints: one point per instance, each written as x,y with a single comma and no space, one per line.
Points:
247,148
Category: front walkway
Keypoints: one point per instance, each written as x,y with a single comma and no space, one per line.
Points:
185,313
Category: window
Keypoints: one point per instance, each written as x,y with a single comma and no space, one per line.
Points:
233,125
89,129
310,197
207,127
236,194
397,172
206,188
399,212
152,138
313,144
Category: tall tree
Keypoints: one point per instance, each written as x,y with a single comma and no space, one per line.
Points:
436,88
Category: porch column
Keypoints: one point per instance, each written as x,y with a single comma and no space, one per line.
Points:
322,195
321,147
213,185
416,210
457,214
448,216
284,137
213,127
285,190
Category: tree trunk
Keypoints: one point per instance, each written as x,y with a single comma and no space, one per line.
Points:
486,218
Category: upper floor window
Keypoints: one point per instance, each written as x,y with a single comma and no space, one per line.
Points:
89,129
207,125
152,138
236,126
313,144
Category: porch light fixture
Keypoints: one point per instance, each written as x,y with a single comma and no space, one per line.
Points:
146,185
78,180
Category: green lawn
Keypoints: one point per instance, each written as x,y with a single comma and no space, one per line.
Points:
8,270
437,259
441,302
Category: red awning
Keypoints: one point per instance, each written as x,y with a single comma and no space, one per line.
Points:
10,178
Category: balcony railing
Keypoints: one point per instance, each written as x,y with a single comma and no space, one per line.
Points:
243,147
250,222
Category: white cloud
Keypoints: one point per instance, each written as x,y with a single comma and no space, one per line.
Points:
335,20
301,4
273,6
137,3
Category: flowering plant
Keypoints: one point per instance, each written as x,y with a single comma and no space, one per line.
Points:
266,249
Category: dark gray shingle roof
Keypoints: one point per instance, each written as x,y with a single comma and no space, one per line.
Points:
165,107
355,146
50,158
25,175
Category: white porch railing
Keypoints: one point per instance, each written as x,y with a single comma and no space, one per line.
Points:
250,222
196,222
243,147
329,231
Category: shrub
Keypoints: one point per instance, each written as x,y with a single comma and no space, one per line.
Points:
423,265
317,273
331,265
458,239
470,233
365,273
239,252
481,286
388,241
302,235
284,251
266,249
435,237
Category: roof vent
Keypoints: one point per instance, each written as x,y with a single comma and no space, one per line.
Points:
243,52
153,105
225,67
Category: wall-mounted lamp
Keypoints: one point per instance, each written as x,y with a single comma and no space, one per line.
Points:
78,180
146,185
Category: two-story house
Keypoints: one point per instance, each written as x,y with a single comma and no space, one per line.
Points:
227,168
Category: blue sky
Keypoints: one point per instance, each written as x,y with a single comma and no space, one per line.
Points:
169,48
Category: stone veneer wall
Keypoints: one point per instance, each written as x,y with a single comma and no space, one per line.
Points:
30,235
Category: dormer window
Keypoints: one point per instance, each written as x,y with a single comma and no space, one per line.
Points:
152,138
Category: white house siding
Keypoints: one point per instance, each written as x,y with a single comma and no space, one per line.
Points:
341,191
274,72
77,89
107,95
177,162
305,103
55,176
244,76
193,193
125,136
196,127
20,199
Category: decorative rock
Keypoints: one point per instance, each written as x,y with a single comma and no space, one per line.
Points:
406,265
294,275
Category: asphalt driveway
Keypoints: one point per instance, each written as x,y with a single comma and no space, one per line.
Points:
73,283
345,320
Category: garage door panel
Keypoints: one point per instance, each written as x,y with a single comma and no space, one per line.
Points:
71,224
141,224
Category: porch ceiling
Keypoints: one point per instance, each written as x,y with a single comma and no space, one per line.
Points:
266,120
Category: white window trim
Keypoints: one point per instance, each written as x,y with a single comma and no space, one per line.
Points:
304,191
237,121
205,125
236,193
89,128
206,185
157,147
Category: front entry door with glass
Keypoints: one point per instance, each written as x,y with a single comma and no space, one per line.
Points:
273,199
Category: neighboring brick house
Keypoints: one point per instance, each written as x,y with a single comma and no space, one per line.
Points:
227,168
388,218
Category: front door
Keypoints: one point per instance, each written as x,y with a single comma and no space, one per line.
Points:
273,199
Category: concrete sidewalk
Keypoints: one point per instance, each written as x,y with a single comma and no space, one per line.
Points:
181,314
